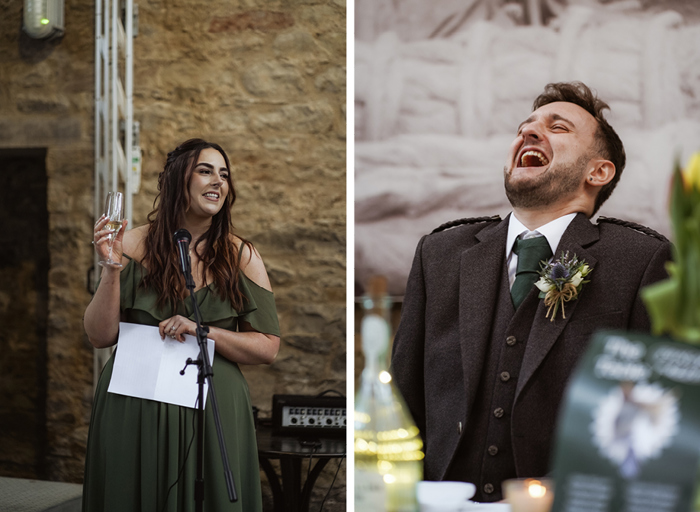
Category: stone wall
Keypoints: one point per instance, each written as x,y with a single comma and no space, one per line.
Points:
266,80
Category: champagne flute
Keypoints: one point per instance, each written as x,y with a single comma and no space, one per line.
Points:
114,211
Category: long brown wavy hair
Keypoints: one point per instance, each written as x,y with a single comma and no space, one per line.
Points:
215,248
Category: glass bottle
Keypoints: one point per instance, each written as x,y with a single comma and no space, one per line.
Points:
388,447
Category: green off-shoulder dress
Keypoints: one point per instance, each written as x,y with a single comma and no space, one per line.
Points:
137,447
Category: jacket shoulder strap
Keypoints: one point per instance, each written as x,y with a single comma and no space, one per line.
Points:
635,226
468,220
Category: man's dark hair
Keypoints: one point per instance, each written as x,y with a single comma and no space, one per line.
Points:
608,143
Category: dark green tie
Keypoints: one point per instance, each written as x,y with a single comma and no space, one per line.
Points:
530,252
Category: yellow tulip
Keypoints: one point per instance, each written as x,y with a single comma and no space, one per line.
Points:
691,173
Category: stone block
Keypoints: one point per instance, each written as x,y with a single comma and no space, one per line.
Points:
230,121
310,343
298,3
312,118
290,145
252,20
320,19
38,131
331,80
288,44
310,366
299,293
37,76
242,148
311,318
335,43
280,275
286,237
270,78
339,365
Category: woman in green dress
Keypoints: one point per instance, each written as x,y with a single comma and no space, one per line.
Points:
138,455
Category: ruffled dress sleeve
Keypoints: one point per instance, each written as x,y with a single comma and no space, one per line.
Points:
259,308
140,305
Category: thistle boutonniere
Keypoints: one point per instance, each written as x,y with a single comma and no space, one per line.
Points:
561,281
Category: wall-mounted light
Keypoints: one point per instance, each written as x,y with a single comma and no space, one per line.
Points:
43,19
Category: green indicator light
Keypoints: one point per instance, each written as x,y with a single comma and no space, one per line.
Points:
44,21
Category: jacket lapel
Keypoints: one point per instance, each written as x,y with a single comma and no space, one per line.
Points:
481,268
544,333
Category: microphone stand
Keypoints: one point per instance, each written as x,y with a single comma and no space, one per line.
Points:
205,372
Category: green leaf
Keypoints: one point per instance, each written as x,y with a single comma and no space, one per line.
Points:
661,300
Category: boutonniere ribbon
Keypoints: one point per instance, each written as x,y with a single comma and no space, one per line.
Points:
560,281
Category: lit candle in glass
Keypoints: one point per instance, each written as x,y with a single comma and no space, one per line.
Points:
529,494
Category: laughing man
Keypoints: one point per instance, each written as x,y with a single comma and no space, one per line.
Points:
481,360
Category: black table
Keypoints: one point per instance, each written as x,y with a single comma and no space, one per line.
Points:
288,494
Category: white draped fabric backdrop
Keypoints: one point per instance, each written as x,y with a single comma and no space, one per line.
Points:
435,116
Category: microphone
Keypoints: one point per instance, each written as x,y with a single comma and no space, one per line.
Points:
182,239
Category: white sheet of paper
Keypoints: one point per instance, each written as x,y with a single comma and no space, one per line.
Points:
147,367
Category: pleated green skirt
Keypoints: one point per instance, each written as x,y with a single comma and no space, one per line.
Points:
137,449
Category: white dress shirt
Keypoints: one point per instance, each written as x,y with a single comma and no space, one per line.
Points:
552,231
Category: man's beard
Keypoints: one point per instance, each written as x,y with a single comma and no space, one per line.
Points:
547,188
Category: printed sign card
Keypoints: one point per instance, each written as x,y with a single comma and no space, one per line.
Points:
629,432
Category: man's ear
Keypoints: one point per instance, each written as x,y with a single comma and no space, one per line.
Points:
600,173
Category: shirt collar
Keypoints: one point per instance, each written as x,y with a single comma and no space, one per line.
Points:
552,231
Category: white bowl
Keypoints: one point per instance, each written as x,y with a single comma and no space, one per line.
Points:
444,496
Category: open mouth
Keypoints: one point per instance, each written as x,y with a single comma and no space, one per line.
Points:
533,158
211,195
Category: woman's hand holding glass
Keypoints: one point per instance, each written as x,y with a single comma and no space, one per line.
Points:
108,242
113,219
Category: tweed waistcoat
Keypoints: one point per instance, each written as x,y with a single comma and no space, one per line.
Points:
485,453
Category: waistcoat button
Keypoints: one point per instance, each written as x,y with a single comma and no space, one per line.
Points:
510,341
488,488
498,412
493,449
505,376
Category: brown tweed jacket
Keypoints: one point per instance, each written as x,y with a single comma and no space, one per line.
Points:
446,325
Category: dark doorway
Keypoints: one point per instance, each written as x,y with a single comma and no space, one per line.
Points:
24,295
